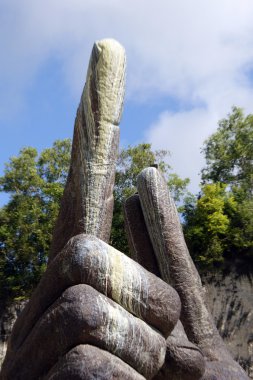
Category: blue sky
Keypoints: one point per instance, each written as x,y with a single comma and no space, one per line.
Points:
188,63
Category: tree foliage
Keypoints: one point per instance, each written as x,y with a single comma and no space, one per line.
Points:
35,184
219,225
208,224
229,152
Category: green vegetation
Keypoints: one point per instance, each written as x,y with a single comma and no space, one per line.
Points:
35,184
218,224
229,152
207,224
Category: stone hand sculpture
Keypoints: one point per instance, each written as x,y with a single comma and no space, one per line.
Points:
195,349
97,314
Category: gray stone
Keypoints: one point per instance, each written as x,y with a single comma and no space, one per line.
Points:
89,362
82,315
229,297
177,268
87,202
8,316
95,305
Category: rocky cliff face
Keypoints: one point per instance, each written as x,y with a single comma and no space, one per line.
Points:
229,298
8,315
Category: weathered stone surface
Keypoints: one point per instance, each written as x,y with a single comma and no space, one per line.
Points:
82,315
89,260
137,235
172,254
64,311
176,267
184,361
93,299
8,316
223,370
229,297
89,362
87,203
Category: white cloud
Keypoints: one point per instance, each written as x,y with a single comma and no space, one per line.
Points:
197,51
173,46
183,134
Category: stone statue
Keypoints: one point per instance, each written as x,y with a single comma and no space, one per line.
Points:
96,313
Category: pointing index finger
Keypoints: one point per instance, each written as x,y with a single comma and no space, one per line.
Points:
87,202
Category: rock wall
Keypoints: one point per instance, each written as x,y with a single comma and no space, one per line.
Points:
8,315
229,298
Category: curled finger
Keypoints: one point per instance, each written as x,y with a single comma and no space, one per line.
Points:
90,362
88,260
82,315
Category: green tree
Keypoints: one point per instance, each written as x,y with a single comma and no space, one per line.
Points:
229,152
207,224
35,184
240,234
219,225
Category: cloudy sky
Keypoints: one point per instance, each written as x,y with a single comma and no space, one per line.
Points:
188,63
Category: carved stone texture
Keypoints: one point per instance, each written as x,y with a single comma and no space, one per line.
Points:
229,296
87,203
88,260
89,362
183,361
141,248
177,268
83,315
72,305
8,316
92,294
